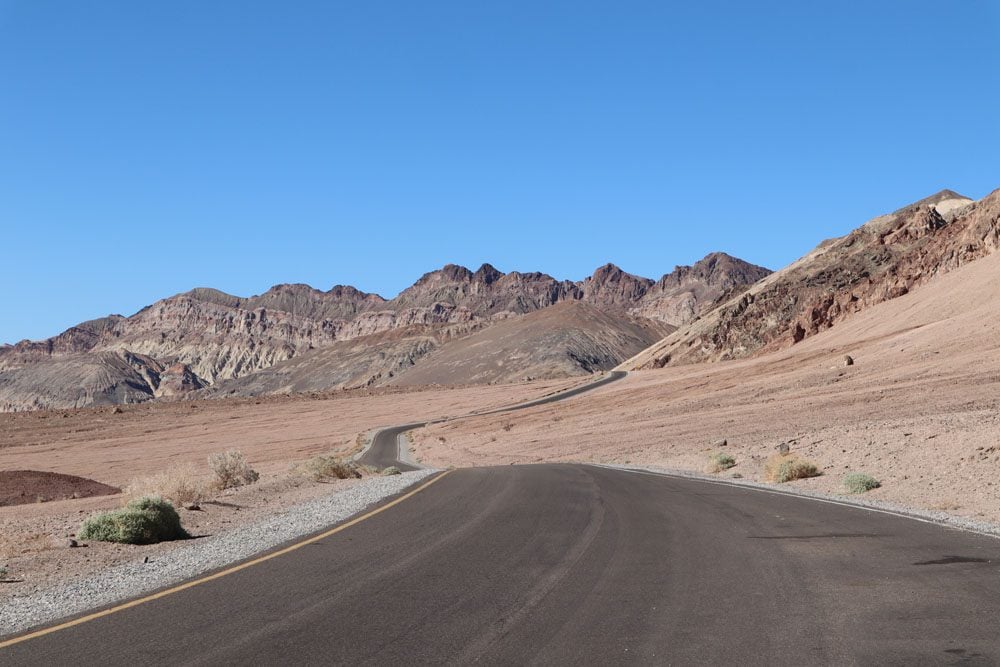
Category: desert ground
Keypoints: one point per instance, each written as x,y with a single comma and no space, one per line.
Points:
919,409
118,445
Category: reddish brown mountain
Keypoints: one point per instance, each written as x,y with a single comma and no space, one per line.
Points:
881,260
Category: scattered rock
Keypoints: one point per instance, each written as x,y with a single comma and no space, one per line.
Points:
783,448
720,443
116,410
72,544
145,559
848,360
736,475
192,507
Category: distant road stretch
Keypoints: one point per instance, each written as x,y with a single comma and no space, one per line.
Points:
384,450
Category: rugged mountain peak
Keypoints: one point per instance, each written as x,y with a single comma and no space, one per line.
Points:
211,295
455,273
349,293
716,269
610,286
946,202
487,274
607,273
293,288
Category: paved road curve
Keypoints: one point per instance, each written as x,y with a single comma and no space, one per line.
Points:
573,564
384,450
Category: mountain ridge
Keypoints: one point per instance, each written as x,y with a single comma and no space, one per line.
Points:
205,336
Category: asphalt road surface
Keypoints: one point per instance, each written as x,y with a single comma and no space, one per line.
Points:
384,450
572,564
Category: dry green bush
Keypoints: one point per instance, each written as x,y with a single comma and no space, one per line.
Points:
180,486
231,469
720,461
322,468
145,520
786,467
391,470
859,482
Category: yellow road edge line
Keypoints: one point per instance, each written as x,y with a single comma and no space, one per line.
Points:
218,575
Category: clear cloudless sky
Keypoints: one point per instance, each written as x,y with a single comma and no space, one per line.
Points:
150,147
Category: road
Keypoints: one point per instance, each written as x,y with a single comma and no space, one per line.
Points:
574,564
384,450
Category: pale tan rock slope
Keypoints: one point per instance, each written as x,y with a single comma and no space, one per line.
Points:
205,337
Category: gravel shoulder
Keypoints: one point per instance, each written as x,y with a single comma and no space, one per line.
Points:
141,570
939,517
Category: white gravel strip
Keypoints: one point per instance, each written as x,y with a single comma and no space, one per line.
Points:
130,580
927,516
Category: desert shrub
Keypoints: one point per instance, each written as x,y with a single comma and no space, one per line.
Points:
391,470
321,468
785,468
859,482
180,486
231,469
146,520
720,461
507,426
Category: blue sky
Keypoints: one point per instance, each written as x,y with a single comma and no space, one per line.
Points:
147,148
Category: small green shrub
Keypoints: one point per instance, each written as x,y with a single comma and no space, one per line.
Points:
859,482
322,468
146,520
391,470
720,461
231,469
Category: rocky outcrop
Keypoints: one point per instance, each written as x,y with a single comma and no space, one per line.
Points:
881,260
610,287
366,361
569,339
681,295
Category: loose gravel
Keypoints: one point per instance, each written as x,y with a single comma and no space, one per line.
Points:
131,580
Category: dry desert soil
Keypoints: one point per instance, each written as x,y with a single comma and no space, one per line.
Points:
118,445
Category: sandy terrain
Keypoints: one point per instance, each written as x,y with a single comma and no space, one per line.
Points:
920,408
143,440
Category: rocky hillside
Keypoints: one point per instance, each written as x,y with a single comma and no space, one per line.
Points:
204,337
569,339
883,259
